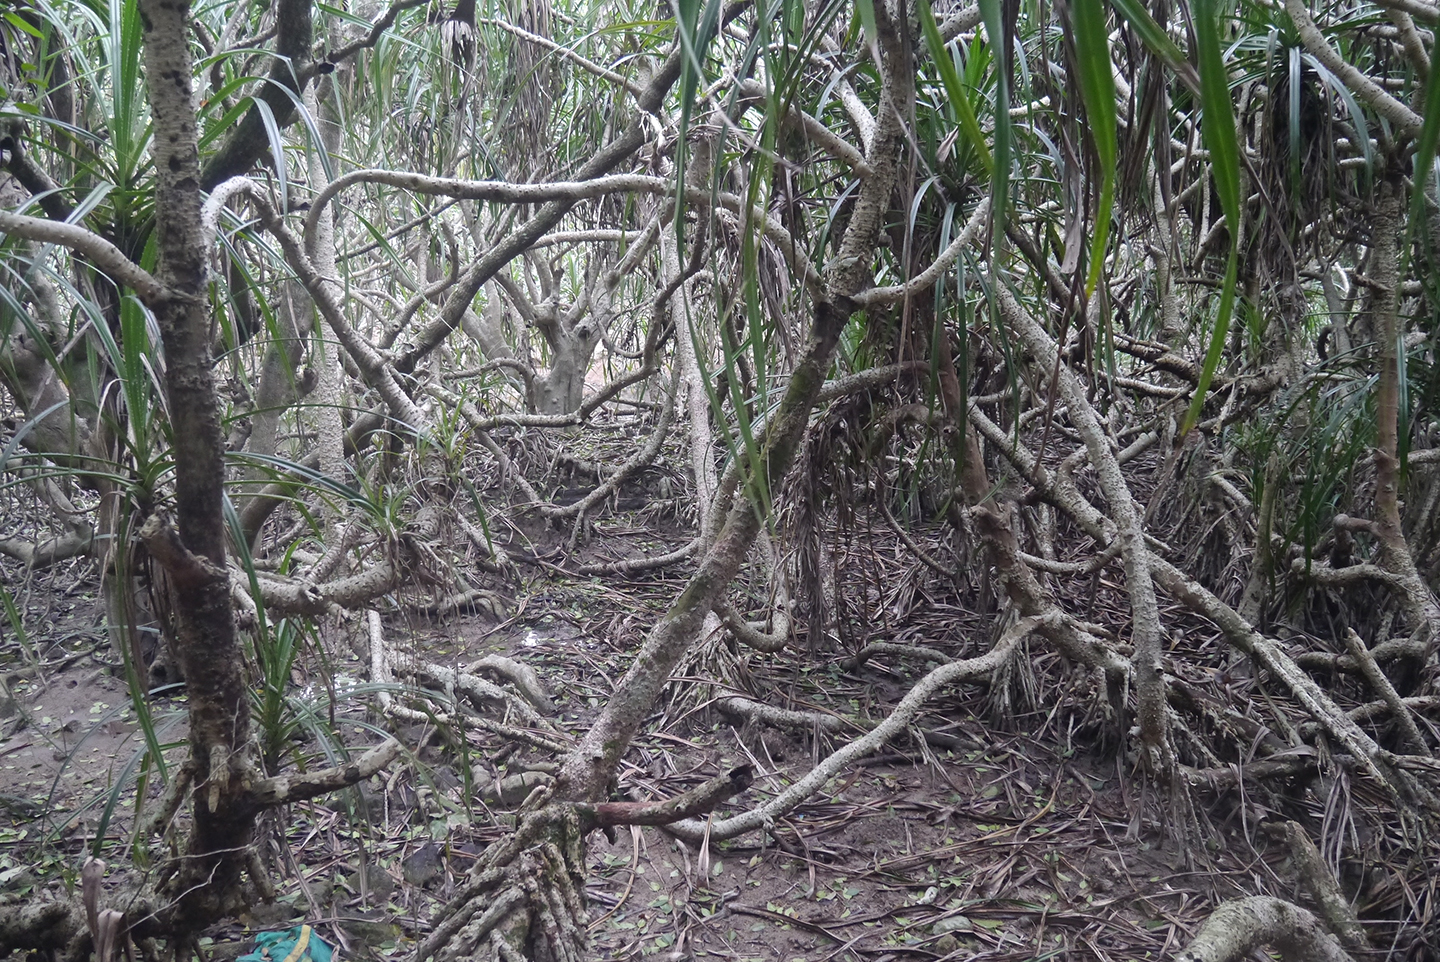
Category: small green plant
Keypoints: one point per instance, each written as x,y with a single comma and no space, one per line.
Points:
17,625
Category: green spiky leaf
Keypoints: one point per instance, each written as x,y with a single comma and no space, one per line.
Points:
954,89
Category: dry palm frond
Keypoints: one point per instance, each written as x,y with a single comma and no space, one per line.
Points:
531,82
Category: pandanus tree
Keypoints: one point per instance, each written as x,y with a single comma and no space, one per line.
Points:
1095,285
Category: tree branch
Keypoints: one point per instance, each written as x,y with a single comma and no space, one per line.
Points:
103,254
700,799
1407,123
927,278
288,76
296,787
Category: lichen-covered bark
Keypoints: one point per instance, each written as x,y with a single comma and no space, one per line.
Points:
1416,596
1240,926
205,632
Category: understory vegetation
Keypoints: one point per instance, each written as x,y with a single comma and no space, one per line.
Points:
968,458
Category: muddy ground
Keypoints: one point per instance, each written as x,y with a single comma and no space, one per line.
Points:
1017,839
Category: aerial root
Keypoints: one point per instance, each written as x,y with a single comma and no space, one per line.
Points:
917,652
533,911
524,901
465,691
634,566
519,674
896,722
476,926
1324,888
809,721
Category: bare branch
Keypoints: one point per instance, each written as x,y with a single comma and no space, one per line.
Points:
377,30
165,546
904,713
1386,690
815,131
927,278
700,799
1420,9
1321,882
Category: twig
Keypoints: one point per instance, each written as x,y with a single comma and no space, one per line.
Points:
285,789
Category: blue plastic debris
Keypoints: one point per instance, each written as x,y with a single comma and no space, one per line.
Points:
299,944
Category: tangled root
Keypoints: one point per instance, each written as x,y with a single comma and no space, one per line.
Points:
524,899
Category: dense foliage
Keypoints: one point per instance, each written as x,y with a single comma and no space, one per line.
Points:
307,309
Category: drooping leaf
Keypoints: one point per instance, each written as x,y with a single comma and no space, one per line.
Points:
865,9
1156,40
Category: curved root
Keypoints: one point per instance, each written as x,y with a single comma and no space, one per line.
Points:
1239,926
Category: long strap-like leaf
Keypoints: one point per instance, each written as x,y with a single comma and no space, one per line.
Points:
1097,86
994,20
1218,131
954,90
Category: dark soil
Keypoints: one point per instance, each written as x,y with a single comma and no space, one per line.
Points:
1009,831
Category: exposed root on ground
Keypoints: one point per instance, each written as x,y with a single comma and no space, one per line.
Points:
1238,927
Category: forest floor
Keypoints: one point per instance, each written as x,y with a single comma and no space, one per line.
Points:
1021,841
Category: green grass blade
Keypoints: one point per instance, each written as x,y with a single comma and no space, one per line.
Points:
23,431
17,625
695,27
1421,177
1425,149
1352,107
